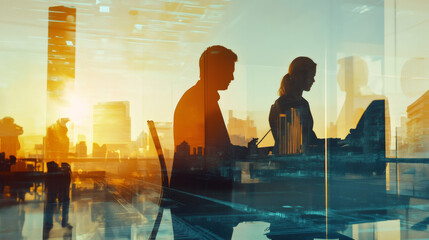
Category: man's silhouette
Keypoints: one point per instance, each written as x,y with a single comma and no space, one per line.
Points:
57,184
198,123
198,119
204,153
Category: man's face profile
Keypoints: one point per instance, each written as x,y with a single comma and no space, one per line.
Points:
221,74
225,75
217,66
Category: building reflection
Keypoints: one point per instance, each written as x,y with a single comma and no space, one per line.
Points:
418,127
61,61
241,131
112,127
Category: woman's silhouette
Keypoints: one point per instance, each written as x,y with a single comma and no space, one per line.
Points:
299,78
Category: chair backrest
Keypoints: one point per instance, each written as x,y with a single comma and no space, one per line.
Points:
161,158
164,177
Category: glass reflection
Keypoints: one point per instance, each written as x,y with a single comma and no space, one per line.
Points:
83,77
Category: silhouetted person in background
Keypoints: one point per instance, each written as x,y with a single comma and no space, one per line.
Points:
199,127
299,78
9,132
414,77
5,163
52,188
2,169
64,194
57,141
353,80
57,184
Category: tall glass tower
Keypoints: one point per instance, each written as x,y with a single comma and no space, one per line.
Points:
61,61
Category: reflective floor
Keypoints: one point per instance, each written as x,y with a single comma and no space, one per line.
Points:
114,206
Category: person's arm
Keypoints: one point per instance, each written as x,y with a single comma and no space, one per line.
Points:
273,118
312,137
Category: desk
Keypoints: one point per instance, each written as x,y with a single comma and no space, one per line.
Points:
293,189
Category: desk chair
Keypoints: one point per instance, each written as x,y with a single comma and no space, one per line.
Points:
164,178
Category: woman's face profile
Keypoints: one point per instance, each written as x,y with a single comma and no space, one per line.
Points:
308,80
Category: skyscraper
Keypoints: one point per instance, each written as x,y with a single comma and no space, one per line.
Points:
418,126
112,126
289,130
241,131
61,61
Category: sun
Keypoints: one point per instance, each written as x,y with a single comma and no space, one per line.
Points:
78,108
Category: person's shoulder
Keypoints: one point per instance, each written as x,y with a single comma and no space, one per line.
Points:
304,104
192,97
276,105
287,102
193,92
279,101
304,101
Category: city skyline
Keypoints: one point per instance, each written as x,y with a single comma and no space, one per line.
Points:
108,65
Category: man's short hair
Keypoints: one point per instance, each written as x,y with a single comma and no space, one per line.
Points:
216,54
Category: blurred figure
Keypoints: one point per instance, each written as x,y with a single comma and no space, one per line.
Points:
52,188
64,194
291,103
415,77
57,184
353,80
5,164
57,141
2,169
199,128
9,132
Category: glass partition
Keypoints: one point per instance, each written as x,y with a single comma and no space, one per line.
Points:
224,119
